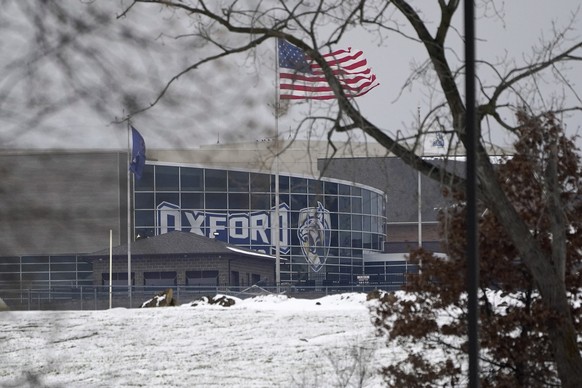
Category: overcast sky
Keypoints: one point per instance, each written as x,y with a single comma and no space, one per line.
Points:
231,101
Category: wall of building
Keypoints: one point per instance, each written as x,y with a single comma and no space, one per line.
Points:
224,264
61,202
325,224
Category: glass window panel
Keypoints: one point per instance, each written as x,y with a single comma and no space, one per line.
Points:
334,240
215,180
356,191
344,204
260,201
144,218
63,259
366,202
315,186
343,189
356,222
375,241
283,184
374,203
64,267
238,201
9,260
159,275
9,267
356,205
216,201
34,276
10,277
314,200
39,283
331,203
345,243
167,197
298,201
84,266
334,221
345,221
160,279
283,198
35,259
380,225
330,188
144,200
192,179
63,276
167,178
367,240
192,201
367,223
146,183
238,181
294,236
298,185
260,183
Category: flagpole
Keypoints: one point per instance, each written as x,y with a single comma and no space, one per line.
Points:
277,215
129,283
419,182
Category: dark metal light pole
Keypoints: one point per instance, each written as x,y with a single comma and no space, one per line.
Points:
471,192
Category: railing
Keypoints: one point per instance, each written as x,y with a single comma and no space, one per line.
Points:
98,297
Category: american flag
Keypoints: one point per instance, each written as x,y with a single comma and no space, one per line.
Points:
302,78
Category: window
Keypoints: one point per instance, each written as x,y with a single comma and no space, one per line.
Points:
344,189
144,218
167,197
193,201
260,201
117,279
167,178
238,181
283,184
146,183
216,201
260,183
315,187
234,278
160,279
192,179
144,200
298,185
215,180
202,278
330,188
238,201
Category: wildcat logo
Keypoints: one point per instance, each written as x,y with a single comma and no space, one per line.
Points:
314,232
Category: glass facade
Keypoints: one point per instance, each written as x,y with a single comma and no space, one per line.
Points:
44,272
324,225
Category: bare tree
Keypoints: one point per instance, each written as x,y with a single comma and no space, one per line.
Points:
300,23
229,28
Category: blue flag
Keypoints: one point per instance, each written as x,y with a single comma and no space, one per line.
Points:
138,154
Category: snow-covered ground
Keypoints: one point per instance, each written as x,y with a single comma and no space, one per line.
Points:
268,341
